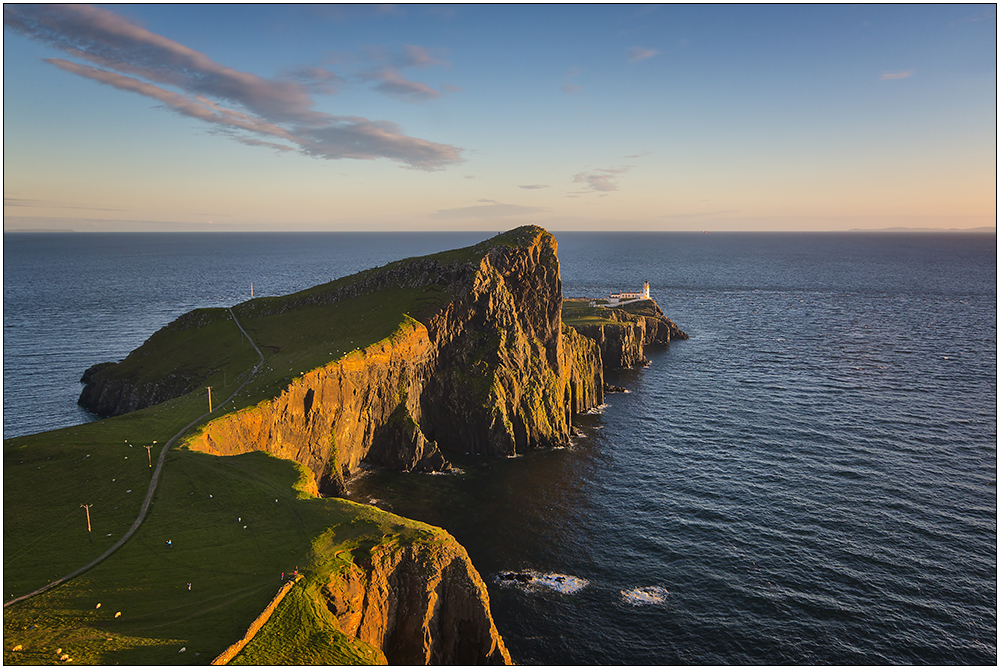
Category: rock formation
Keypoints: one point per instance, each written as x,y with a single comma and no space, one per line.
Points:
108,391
638,325
419,604
493,371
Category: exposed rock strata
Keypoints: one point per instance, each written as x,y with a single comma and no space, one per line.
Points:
623,343
494,372
332,418
113,396
107,392
419,604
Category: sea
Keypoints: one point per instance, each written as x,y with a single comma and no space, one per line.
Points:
811,478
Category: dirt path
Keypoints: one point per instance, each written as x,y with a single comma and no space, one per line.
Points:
152,484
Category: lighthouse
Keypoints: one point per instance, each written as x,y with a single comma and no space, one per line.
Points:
621,299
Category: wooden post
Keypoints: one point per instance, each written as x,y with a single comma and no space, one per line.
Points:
251,290
209,398
89,535
149,455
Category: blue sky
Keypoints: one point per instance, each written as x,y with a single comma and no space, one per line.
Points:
587,117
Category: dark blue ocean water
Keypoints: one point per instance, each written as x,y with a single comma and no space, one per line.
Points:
811,478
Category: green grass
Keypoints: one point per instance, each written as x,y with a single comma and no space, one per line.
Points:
306,338
203,502
235,524
302,631
647,308
579,312
190,352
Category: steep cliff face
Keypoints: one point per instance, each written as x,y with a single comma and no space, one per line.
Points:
110,396
623,343
169,364
332,418
493,372
419,604
505,368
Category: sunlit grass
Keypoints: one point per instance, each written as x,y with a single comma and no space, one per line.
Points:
579,312
235,523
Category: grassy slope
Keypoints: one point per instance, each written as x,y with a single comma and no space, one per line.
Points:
579,312
234,572
236,523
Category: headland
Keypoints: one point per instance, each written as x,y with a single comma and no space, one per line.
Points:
472,350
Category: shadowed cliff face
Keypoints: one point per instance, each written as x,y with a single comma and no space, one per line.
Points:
623,343
332,418
419,604
504,370
492,372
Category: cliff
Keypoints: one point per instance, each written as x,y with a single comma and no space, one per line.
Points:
623,333
422,603
174,361
476,361
359,407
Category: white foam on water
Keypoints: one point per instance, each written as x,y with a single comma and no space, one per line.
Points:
567,585
652,594
596,410
564,583
454,471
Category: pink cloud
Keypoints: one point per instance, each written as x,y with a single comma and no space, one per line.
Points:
233,100
635,54
603,180
418,56
888,76
391,81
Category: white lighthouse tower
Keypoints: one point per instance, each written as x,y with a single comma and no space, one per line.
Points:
645,290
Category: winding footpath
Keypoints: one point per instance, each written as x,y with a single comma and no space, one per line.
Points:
152,484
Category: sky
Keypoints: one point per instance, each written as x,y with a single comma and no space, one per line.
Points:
187,117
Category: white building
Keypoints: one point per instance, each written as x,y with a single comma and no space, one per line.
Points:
619,299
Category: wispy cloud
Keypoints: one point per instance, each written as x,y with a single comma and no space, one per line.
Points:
187,82
20,202
390,79
534,186
418,56
488,209
603,180
318,79
637,53
23,202
903,74
569,89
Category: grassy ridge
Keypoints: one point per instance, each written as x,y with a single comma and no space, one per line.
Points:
235,524
577,312
202,504
234,572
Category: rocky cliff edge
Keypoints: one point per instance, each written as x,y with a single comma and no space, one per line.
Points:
488,368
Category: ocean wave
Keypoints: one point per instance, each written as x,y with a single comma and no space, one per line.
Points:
531,579
596,410
651,594
454,471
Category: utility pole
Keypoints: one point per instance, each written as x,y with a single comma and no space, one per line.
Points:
89,535
251,290
209,398
149,455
